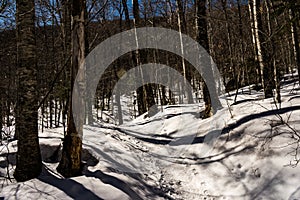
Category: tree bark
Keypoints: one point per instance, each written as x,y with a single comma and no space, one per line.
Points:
272,51
182,26
245,74
262,54
257,67
70,163
1,114
145,97
295,38
28,161
66,27
89,100
202,38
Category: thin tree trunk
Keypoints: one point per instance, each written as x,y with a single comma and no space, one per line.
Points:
272,53
118,97
229,40
89,100
145,98
254,42
243,65
55,112
1,115
127,19
51,110
182,26
263,58
202,38
59,114
295,38
66,27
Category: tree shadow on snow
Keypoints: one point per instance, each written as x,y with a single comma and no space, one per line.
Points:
70,187
185,140
115,182
151,192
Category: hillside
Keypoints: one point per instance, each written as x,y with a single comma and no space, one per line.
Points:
177,155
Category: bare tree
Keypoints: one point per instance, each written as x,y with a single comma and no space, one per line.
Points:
70,163
262,54
182,26
295,38
145,95
272,51
202,38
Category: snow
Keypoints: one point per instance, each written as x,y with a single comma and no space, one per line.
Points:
177,155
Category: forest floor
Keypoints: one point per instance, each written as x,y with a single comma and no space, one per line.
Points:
249,151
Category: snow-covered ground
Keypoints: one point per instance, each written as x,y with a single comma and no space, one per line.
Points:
247,152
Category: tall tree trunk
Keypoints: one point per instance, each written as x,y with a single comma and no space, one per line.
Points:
229,40
145,97
272,52
70,163
127,19
254,42
1,114
182,26
66,27
59,113
295,38
245,74
55,112
135,55
118,95
210,29
263,58
202,39
89,100
51,110
28,161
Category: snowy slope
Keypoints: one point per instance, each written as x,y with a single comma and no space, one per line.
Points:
245,153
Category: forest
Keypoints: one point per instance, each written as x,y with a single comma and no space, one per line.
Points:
149,99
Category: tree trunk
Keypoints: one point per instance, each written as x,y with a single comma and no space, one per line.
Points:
257,67
70,163
59,113
245,74
51,110
55,113
295,38
118,94
127,19
145,98
229,40
28,161
1,115
182,26
66,27
272,52
89,100
202,38
263,58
